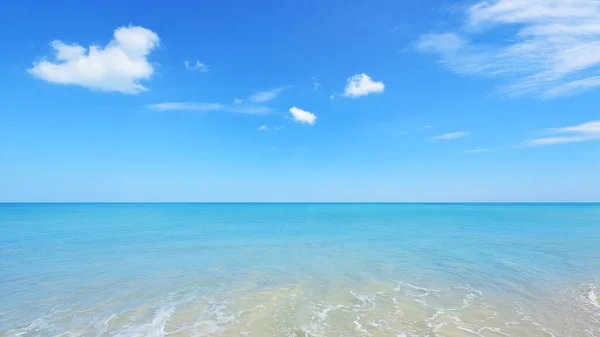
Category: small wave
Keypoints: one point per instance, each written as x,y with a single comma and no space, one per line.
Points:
527,318
155,328
413,290
377,309
358,327
36,326
592,297
318,318
364,299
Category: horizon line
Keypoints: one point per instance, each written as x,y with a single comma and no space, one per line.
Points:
299,202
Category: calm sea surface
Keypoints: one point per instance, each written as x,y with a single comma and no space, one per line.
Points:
299,270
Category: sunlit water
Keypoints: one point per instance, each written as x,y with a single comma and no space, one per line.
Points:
299,270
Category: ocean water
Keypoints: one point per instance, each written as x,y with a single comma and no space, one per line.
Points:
299,270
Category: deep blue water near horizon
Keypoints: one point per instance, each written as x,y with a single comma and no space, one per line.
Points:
294,269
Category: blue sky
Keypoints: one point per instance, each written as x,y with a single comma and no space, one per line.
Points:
492,100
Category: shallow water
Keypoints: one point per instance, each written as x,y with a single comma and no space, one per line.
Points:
299,270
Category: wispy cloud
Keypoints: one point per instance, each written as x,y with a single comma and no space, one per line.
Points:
362,85
303,116
441,43
268,95
237,106
249,109
556,140
574,87
186,106
197,66
472,151
205,107
413,130
316,84
119,66
265,127
570,134
401,29
551,47
450,135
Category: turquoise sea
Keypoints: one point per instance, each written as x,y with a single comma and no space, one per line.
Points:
299,270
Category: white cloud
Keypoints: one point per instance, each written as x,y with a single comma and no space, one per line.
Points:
440,43
238,101
265,127
426,127
362,85
401,28
249,109
574,87
550,47
475,151
201,106
265,96
118,66
578,133
316,84
585,128
303,116
198,66
331,97
451,135
186,106
555,140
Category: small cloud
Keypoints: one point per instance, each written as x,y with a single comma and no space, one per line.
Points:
475,151
331,97
265,127
573,87
396,28
400,29
198,66
273,148
249,109
578,133
303,116
186,106
118,66
426,127
203,107
556,140
362,85
585,128
440,43
316,84
238,101
265,96
451,135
